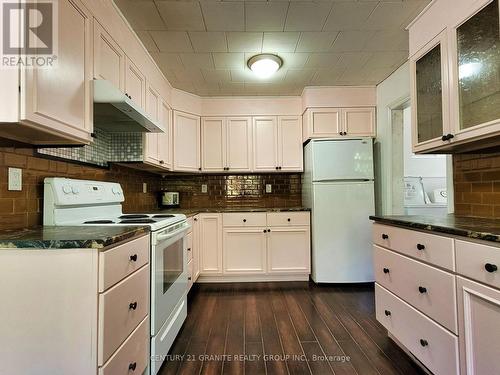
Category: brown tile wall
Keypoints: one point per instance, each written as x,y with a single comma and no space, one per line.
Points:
19,209
237,190
477,185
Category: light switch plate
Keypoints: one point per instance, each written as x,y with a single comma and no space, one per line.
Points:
15,179
144,187
269,188
204,188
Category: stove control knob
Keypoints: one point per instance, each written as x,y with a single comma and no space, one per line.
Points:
75,190
116,191
66,189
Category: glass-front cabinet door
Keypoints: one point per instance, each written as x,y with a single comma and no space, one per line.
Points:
430,94
476,72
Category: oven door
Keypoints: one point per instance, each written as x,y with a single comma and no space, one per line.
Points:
169,273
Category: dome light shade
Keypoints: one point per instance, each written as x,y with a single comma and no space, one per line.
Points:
264,65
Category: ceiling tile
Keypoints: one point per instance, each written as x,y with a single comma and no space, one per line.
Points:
351,40
167,60
142,15
197,60
280,42
246,75
189,75
172,41
244,42
303,76
323,60
148,42
215,76
354,60
387,59
349,15
223,16
328,77
229,60
212,41
294,60
307,16
265,16
316,41
387,40
181,15
391,15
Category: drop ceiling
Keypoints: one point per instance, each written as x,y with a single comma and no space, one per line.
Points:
202,46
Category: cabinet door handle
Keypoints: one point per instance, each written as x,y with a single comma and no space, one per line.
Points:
387,312
490,267
341,133
277,168
422,289
244,220
288,219
133,258
386,270
132,366
423,342
162,162
450,136
132,306
420,246
385,236
195,219
265,230
268,230
189,278
189,249
444,138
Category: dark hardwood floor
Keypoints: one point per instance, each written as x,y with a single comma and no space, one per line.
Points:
284,328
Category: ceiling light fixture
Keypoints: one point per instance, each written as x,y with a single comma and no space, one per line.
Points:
265,65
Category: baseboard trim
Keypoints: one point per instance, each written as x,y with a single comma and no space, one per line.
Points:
251,278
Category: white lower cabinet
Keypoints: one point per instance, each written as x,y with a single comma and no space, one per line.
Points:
289,249
210,244
479,324
244,250
448,319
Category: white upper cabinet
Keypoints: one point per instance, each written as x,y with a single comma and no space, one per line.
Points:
165,139
265,148
213,144
339,122
290,144
109,58
239,144
58,99
186,142
455,81
135,83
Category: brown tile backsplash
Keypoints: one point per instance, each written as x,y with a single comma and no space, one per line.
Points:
477,185
19,209
236,190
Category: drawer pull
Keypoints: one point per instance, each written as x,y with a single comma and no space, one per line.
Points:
132,306
423,342
189,249
288,219
133,258
265,230
386,270
132,366
387,312
244,220
189,278
385,236
422,289
420,246
490,267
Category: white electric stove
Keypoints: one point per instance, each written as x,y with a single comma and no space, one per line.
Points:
71,202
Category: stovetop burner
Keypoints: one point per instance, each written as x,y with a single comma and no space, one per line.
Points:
99,222
163,216
137,221
133,216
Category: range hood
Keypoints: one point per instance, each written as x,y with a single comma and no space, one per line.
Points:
116,112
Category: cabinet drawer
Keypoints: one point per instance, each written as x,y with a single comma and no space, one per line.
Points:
244,219
190,274
121,308
188,244
427,288
119,262
479,262
287,218
438,350
436,250
132,356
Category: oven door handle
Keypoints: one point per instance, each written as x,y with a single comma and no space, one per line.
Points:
163,237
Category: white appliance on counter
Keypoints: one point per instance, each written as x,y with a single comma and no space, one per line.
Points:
70,202
338,186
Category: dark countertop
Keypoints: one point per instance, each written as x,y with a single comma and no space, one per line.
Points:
94,237
194,211
471,227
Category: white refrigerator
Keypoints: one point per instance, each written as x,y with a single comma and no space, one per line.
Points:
338,187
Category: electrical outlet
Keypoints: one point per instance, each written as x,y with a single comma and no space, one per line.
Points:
204,188
15,179
269,188
144,187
